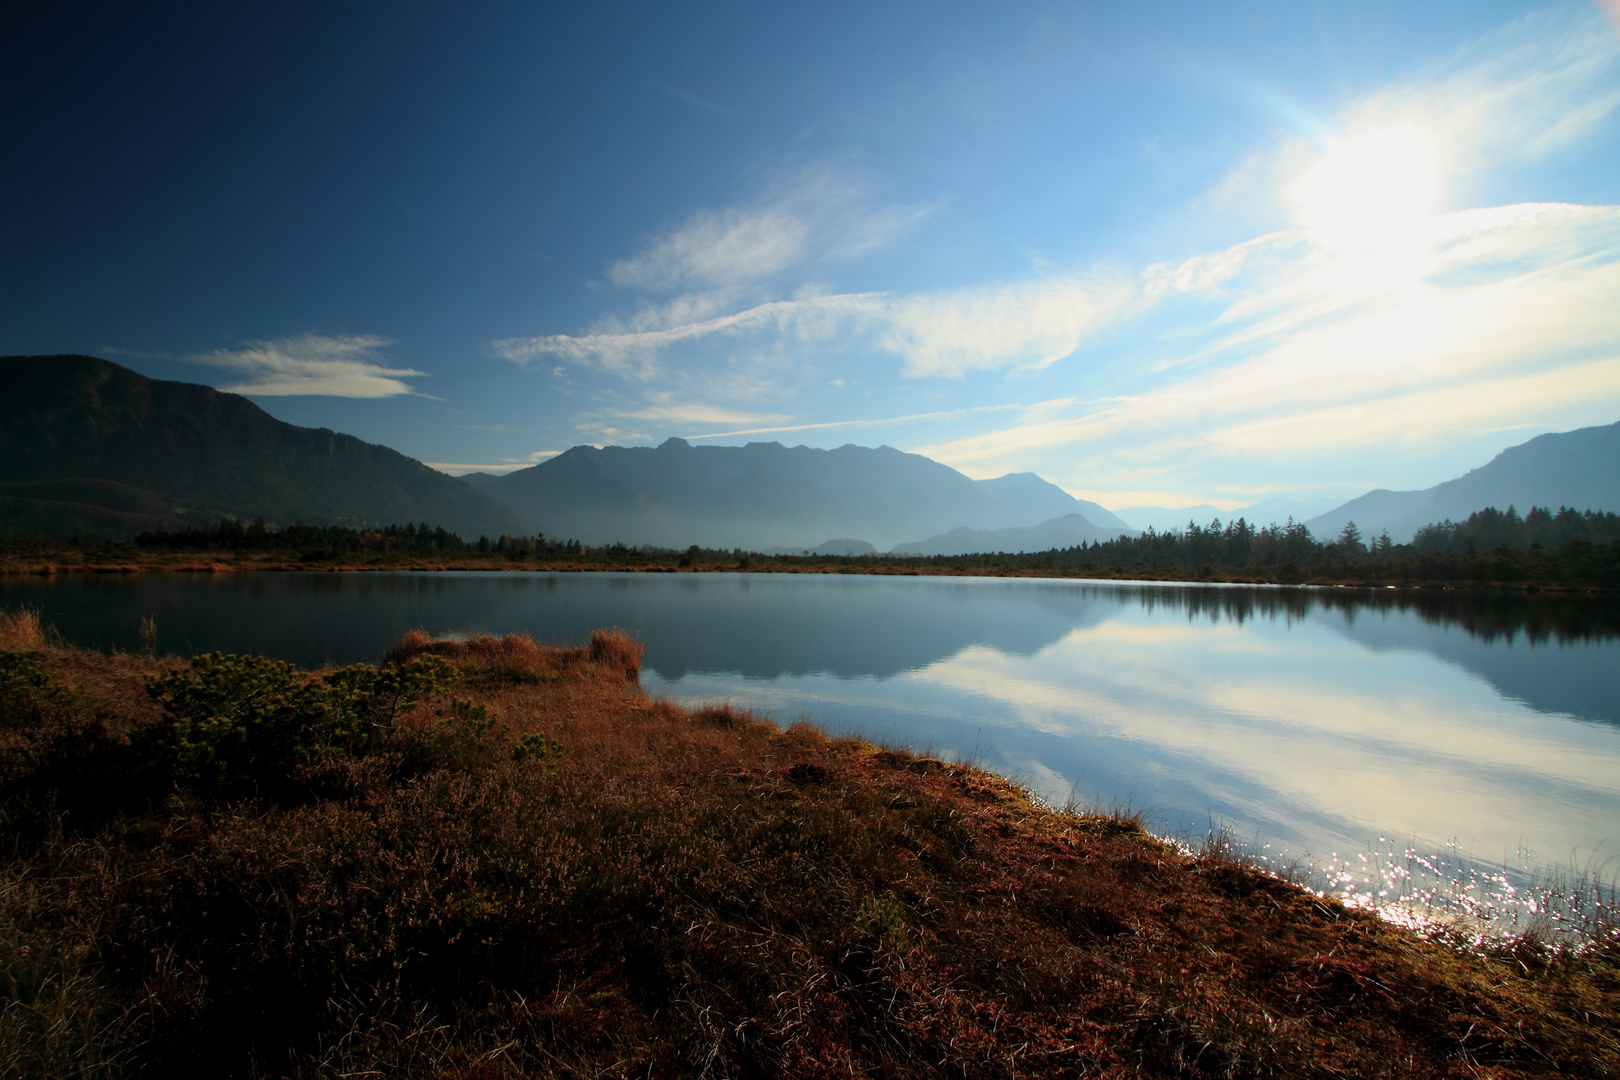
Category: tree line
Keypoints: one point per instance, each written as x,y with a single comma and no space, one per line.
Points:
333,541
1564,547
1491,528
1569,547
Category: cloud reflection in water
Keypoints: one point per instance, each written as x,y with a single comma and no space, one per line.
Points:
1289,728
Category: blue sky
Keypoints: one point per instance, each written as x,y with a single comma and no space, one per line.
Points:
1165,253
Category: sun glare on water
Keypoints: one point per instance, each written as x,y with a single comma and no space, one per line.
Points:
1373,191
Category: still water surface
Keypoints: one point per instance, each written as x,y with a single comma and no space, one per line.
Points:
1316,724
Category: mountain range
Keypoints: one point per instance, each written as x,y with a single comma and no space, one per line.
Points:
1579,469
766,495
93,449
90,448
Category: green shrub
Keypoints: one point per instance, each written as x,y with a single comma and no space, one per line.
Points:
463,737
26,685
235,720
470,718
37,718
536,746
363,701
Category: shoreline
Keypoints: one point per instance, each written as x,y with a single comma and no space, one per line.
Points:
13,567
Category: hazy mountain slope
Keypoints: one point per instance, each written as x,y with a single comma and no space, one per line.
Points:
1166,518
1277,511
479,480
91,448
1373,513
1578,468
761,496
844,546
1031,499
1061,532
1265,512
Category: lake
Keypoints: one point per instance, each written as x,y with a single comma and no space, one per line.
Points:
1399,743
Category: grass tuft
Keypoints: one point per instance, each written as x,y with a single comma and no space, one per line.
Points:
518,658
22,630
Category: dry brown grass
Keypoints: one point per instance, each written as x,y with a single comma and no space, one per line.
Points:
518,658
694,892
21,631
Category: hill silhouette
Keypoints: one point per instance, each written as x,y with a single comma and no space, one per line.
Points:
766,495
1578,468
93,449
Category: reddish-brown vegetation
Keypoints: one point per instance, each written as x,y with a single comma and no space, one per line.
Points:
683,893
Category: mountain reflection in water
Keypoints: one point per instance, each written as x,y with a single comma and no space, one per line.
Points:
1535,648
1318,720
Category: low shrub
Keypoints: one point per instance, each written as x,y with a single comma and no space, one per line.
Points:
536,746
32,707
235,721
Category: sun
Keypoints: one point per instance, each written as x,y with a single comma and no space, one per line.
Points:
1372,191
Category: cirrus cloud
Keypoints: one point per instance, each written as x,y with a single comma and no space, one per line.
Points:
812,217
348,366
714,250
1508,323
1024,326
635,352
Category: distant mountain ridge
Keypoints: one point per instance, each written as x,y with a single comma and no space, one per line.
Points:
1067,531
1579,469
1259,514
766,495
479,480
90,448
845,546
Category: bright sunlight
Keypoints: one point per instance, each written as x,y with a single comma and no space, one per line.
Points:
1371,191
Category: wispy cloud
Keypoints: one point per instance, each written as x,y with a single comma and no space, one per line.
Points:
717,249
1538,84
636,352
1024,325
876,422
350,366
1509,320
669,411
810,217
663,413
500,468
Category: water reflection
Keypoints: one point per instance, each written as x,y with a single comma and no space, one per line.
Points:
1542,650
756,626
1318,721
